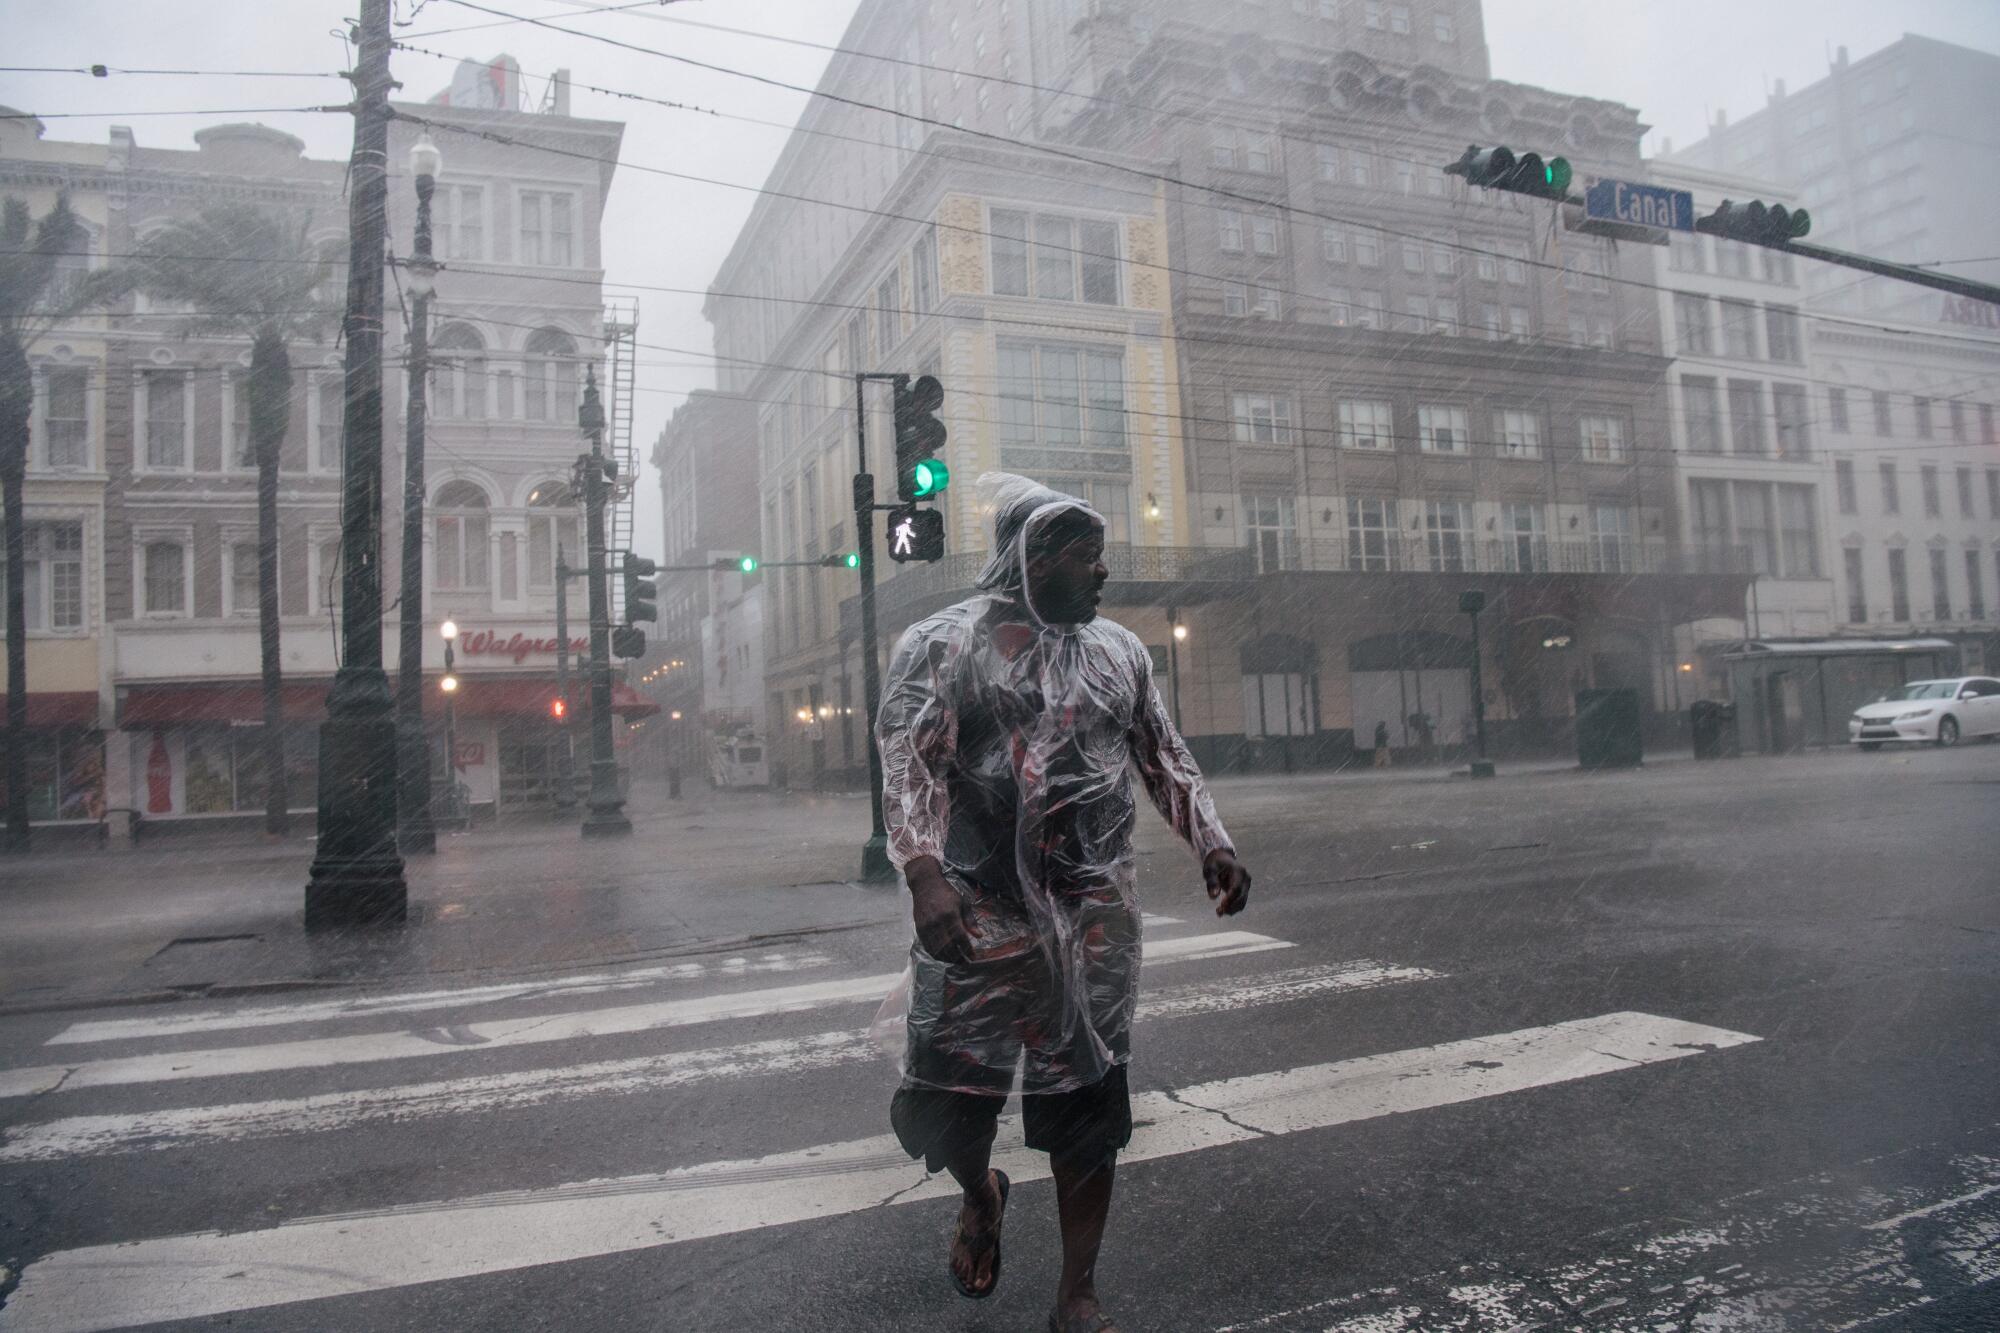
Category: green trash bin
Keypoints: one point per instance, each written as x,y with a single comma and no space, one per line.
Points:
1607,729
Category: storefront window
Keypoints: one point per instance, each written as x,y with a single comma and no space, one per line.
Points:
225,770
65,774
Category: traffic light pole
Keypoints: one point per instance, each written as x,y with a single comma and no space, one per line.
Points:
1944,282
565,797
875,864
607,808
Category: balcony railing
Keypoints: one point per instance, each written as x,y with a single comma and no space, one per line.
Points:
1128,564
1447,554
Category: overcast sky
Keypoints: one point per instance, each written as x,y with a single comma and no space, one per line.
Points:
1674,61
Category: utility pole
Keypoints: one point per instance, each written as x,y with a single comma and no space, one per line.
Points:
357,874
416,833
607,808
565,798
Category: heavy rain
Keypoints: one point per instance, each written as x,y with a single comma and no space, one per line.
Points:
1000,664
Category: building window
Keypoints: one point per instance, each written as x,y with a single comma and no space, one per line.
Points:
65,416
1229,228
1518,325
1399,19
1413,257
1442,26
1732,259
242,578
52,578
1986,424
547,229
552,533
1892,502
1857,592
1372,13
1923,418
326,575
1781,332
1611,540
1927,476
1338,306
1993,492
458,219
1447,535
1691,325
1603,439
1112,499
1517,434
1739,330
1261,418
1746,418
1371,534
549,378
163,582
1965,509
1975,586
1899,585
1836,410
1442,430
1326,158
1270,523
1066,256
1708,523
1798,532
1258,154
166,420
458,378
1365,425
1684,252
1788,413
923,273
1333,245
1222,151
1264,235
1061,397
1940,585
1367,309
888,313
1843,486
461,533
1703,413
1523,538
1882,422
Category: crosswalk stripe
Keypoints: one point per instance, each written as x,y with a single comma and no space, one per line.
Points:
539,1029
120,1285
153,1130
405,1002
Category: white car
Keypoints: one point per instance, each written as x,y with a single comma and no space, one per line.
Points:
1935,712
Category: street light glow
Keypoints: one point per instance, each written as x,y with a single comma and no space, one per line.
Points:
449,629
1180,633
449,684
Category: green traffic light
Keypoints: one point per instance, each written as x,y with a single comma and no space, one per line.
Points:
1801,223
931,477
852,560
748,564
1557,174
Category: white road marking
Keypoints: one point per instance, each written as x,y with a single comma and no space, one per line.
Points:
367,1006
97,1135
497,1034
208,1273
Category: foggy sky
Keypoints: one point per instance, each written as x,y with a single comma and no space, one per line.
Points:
1675,62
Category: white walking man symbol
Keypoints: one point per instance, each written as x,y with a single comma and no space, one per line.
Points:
906,535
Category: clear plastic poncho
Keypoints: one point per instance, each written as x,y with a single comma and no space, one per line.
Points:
1007,744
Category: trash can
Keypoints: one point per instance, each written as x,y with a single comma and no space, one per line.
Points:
1607,729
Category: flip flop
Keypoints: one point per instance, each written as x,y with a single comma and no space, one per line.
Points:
978,1247
1096,1323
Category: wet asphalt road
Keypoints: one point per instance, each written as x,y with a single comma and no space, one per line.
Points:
1739,1071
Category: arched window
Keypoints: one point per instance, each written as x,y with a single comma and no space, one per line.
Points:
461,563
551,531
458,372
549,376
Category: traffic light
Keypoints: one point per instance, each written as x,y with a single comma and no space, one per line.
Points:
920,438
842,559
916,534
558,709
742,564
1756,222
627,642
641,594
1500,169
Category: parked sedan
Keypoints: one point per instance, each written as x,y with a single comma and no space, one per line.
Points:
1935,712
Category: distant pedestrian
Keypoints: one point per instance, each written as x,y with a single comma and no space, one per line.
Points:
1381,745
1008,725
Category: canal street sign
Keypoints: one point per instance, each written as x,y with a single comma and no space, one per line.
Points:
1635,205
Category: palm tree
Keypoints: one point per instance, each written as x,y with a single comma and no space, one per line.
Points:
28,254
247,273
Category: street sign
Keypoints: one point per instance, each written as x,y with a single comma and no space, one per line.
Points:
1639,205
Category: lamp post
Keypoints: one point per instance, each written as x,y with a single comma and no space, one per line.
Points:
448,685
1174,641
415,832
1472,601
357,873
606,817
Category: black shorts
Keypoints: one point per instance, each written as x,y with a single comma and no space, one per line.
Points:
1084,1128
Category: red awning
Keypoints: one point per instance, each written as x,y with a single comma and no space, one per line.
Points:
177,705
62,708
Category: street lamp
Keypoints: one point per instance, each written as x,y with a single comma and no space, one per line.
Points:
457,811
1471,602
1174,640
607,807
416,833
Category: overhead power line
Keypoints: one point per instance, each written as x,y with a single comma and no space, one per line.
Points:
105,71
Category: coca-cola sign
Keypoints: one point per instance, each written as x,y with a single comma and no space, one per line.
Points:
519,647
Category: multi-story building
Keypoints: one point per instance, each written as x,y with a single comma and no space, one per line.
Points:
145,500
1878,152
1225,289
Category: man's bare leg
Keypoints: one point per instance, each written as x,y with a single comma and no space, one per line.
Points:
977,1216
1083,1202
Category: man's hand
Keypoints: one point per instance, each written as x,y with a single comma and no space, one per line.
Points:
939,915
1228,882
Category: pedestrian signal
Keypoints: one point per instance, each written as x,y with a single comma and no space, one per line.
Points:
916,534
